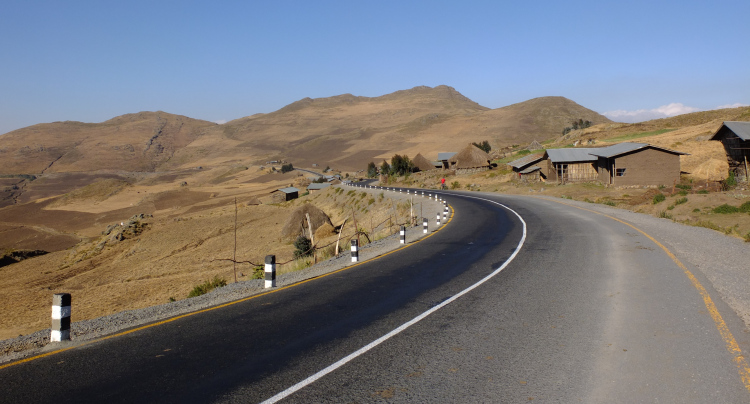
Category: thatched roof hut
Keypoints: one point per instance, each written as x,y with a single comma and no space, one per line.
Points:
535,146
471,157
421,163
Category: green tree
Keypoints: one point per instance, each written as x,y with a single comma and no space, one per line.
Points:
372,170
286,168
400,165
485,145
385,168
302,247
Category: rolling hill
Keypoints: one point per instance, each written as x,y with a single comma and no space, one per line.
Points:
345,131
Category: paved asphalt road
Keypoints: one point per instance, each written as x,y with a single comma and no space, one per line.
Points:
589,310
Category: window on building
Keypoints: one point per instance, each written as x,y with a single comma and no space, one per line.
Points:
620,172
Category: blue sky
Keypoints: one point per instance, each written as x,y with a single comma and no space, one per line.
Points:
93,60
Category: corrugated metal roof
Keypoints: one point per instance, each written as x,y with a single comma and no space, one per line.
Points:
446,155
741,129
531,170
568,155
288,190
526,160
317,186
627,147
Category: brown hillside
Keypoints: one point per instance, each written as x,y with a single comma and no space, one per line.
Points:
343,131
347,131
132,142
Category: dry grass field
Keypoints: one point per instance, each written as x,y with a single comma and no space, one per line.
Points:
164,256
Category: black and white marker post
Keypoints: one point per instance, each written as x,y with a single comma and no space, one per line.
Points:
402,235
355,251
60,330
270,271
424,225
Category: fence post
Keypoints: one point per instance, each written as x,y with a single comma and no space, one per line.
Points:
424,225
355,251
403,234
60,331
270,271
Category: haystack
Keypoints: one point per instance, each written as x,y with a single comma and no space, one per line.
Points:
421,163
297,223
470,157
534,146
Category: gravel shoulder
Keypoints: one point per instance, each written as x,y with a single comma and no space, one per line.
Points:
722,259
83,331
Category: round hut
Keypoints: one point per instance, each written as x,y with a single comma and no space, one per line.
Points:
470,160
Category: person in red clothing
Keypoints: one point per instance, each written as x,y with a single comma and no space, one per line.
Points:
442,183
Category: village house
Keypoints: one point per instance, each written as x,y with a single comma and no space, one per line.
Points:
443,159
571,165
628,164
735,136
284,194
470,160
421,163
624,164
526,169
315,187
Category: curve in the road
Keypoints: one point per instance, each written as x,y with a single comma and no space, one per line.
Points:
291,390
734,349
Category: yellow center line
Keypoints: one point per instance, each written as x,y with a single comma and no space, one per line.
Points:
171,319
721,325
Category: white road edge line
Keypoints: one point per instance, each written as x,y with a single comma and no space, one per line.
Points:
291,390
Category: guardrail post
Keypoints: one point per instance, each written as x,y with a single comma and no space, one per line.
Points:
60,331
270,271
355,251
402,234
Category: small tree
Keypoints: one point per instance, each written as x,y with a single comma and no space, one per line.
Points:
372,170
385,168
485,146
286,168
302,247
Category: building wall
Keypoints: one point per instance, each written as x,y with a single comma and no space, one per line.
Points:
646,167
738,153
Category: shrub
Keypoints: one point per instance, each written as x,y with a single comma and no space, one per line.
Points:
371,201
684,187
664,215
725,209
259,272
745,207
208,286
658,198
680,201
610,203
286,168
703,192
696,210
747,237
455,185
302,247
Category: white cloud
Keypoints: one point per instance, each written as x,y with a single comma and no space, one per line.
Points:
735,105
221,121
664,111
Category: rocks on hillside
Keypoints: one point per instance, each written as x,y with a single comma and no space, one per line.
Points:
11,257
297,223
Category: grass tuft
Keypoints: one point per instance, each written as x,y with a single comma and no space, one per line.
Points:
208,286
